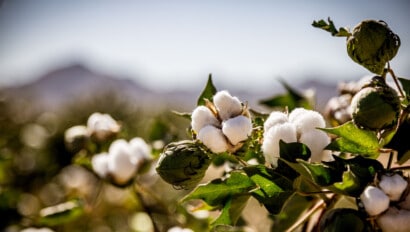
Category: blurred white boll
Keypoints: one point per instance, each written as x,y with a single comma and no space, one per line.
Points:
102,126
201,117
270,145
140,150
179,229
213,138
237,129
316,140
394,220
99,164
375,201
76,137
119,164
122,160
227,105
306,120
393,186
33,229
274,119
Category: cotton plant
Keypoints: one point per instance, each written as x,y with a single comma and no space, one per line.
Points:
301,126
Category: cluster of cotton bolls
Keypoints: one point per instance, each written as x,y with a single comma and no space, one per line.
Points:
122,161
298,126
223,124
389,202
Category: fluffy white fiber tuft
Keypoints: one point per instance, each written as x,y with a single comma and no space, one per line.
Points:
237,129
213,138
227,105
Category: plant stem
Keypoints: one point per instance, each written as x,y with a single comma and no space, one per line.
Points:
390,160
395,80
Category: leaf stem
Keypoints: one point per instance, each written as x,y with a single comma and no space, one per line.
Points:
390,160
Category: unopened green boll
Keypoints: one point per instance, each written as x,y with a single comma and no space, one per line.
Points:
376,106
183,164
372,44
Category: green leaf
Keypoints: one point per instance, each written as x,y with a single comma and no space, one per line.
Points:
208,92
329,26
293,209
291,152
350,185
359,173
291,99
405,83
218,191
274,189
397,142
354,140
231,211
321,173
61,213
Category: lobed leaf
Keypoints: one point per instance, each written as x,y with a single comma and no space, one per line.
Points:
218,191
354,140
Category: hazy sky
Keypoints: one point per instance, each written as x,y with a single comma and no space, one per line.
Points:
176,44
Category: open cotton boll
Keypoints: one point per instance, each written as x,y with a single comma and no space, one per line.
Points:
120,165
237,129
140,150
275,118
227,105
393,186
316,140
99,163
394,220
201,117
306,120
270,145
213,138
375,201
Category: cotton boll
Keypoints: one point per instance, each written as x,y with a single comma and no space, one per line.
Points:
141,151
237,129
120,165
393,186
375,201
227,105
99,164
394,220
201,117
270,145
213,138
316,140
306,120
275,118
102,126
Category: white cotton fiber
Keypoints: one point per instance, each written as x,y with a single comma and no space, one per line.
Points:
237,129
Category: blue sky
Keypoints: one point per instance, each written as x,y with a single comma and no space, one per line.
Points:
176,44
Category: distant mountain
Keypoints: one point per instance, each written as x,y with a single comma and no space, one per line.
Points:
75,82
